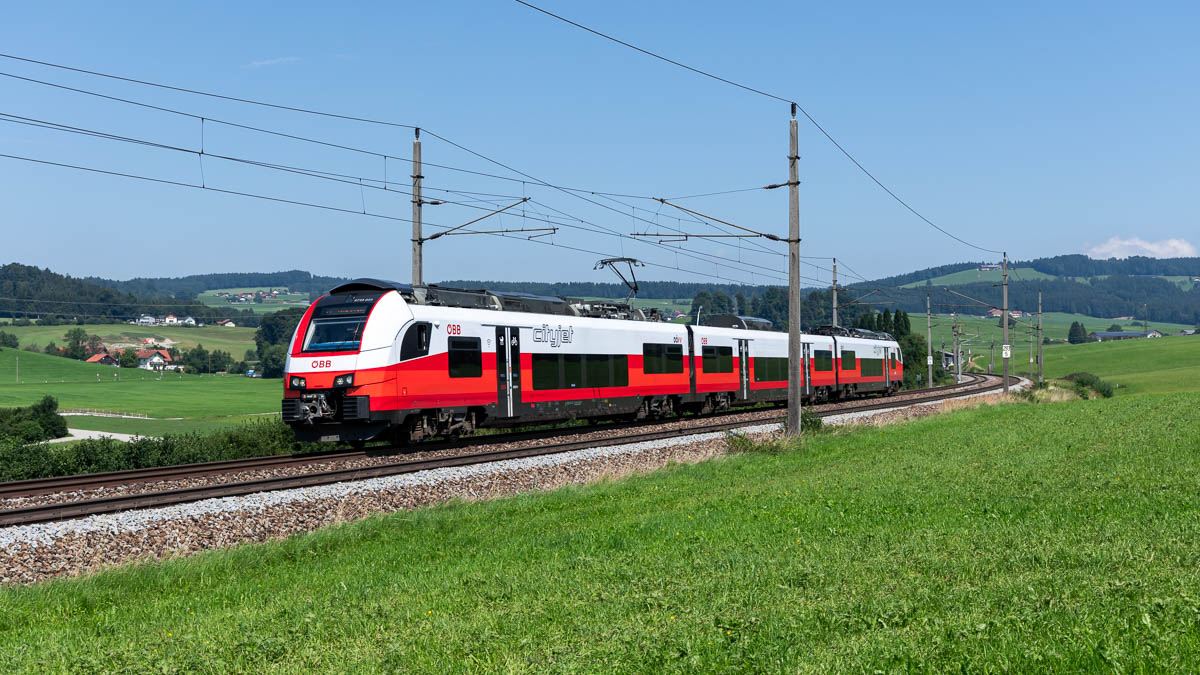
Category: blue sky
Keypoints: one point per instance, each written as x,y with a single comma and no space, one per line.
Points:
1037,128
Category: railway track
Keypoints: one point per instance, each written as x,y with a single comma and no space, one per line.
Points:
124,502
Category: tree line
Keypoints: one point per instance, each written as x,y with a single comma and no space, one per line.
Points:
32,295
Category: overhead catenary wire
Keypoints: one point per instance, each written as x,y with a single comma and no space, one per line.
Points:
327,207
575,192
766,94
350,180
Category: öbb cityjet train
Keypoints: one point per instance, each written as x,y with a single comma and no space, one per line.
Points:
380,360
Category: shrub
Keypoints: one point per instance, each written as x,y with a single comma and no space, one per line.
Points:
1087,381
19,461
38,422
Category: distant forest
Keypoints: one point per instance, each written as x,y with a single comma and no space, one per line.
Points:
33,294
1129,288
187,288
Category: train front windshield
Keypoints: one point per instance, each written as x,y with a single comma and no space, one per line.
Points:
335,334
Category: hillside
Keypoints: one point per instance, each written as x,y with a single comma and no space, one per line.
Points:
31,293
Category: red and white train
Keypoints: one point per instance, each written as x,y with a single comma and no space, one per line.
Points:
377,359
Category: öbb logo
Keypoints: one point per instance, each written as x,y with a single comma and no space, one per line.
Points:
322,363
453,329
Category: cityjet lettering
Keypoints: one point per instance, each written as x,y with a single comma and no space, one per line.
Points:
555,336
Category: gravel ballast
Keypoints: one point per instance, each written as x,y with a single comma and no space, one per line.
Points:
30,553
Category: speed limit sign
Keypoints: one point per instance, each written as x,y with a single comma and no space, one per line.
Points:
1006,351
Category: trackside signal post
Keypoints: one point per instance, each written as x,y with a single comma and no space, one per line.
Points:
928,342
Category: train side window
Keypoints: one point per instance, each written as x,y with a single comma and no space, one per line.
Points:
848,361
871,367
546,369
652,359
823,360
465,357
620,364
770,368
716,359
598,368
416,341
673,359
572,371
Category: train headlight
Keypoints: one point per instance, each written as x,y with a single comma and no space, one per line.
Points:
344,380
297,382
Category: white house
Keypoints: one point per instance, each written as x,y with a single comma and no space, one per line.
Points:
145,320
153,359
171,319
189,321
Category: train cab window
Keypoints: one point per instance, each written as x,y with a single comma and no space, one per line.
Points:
716,359
823,360
848,361
416,341
893,361
662,359
465,357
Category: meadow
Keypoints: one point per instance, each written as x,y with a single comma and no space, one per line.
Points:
1158,365
980,332
233,340
187,402
1064,537
283,301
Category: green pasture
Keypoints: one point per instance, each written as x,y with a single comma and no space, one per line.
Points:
82,386
1158,365
283,301
233,340
981,332
162,427
1050,537
973,275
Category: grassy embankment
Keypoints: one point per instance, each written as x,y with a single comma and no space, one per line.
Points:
203,402
1015,537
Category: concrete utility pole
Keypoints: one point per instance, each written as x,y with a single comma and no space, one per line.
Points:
795,351
835,323
992,359
957,352
416,210
1005,347
928,342
1031,352
1039,338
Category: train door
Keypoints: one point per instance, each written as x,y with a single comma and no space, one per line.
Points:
508,370
744,368
806,355
887,366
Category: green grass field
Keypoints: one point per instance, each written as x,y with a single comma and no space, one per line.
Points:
203,401
975,276
980,332
233,340
283,301
1052,537
1161,365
